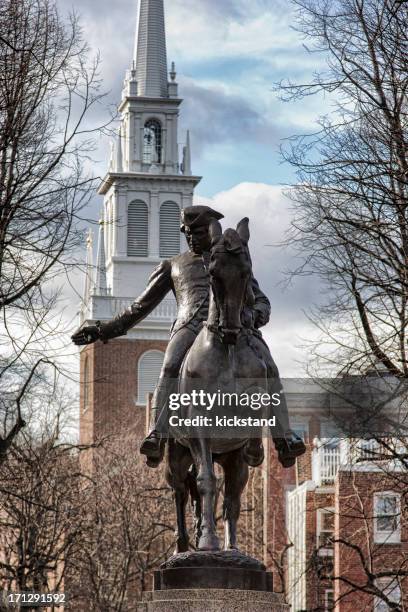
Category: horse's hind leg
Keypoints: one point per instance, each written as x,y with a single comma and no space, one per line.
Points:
206,486
195,502
179,461
236,478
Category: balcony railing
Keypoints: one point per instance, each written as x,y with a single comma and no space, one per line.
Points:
329,454
107,307
326,458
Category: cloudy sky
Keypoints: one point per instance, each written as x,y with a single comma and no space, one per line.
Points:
229,54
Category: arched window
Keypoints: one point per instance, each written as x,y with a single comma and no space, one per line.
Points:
169,229
138,229
86,384
152,142
148,371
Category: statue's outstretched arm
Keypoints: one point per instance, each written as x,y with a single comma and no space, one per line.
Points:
157,288
159,285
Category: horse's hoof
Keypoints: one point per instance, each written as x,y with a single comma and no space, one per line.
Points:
181,547
209,542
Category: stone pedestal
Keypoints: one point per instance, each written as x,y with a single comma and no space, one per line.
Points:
211,600
223,581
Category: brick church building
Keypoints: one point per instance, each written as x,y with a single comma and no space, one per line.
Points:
296,514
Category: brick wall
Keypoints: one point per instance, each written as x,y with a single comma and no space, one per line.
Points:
112,390
318,564
354,524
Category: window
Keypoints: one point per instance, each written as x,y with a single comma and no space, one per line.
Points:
325,530
328,600
152,142
86,384
391,589
169,229
137,229
387,524
149,367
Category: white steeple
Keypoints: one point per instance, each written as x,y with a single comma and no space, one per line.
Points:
150,59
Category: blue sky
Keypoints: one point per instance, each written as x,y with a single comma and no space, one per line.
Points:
229,54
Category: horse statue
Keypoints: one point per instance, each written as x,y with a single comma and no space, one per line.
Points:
221,356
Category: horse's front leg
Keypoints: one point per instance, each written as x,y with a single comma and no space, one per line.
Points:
178,463
206,485
236,478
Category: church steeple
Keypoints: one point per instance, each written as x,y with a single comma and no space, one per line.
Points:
150,59
147,184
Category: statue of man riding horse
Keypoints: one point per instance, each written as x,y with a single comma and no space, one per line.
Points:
219,305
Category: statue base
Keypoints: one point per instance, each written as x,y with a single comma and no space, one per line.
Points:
210,582
229,569
211,600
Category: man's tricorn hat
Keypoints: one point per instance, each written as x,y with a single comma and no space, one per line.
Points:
196,216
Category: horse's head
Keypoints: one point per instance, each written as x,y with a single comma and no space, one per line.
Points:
230,274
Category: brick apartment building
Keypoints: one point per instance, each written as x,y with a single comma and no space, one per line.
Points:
347,520
144,190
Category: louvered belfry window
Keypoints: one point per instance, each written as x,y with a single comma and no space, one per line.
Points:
169,229
149,367
138,229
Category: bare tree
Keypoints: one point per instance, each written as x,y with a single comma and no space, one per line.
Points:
41,523
351,198
130,516
47,90
350,222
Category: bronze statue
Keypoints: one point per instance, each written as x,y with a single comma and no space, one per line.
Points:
187,276
224,354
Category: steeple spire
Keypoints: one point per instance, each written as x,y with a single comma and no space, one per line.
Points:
150,50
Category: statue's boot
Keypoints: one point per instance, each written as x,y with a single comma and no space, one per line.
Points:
154,444
254,452
289,447
288,444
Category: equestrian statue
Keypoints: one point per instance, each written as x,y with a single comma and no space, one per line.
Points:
215,342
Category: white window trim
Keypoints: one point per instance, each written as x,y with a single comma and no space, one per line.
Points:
387,537
319,512
326,599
